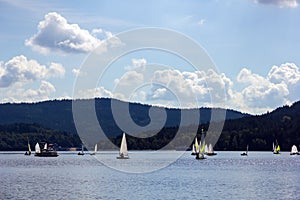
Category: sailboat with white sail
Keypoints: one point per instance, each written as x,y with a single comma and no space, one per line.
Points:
95,150
200,153
123,154
294,150
210,151
47,151
28,153
195,147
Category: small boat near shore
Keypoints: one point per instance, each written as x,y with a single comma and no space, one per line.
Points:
81,153
47,151
95,150
245,153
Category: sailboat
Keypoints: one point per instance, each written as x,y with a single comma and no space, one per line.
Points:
200,153
47,151
276,148
210,151
28,153
206,149
245,153
123,154
81,153
37,148
195,148
95,150
294,150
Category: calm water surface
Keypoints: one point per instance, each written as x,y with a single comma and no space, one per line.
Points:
227,175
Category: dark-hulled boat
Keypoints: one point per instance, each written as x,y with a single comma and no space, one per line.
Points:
47,151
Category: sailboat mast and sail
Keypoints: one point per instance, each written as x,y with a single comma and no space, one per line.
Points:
123,149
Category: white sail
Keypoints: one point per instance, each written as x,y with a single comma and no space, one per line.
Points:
193,149
210,149
294,149
123,148
207,149
96,148
29,149
37,148
196,145
45,146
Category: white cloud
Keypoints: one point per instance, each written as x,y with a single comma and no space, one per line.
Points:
20,69
280,3
56,70
95,93
191,86
20,76
279,87
137,65
20,94
160,92
130,78
76,72
289,74
56,34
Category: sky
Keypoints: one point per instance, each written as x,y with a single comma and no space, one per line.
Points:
254,45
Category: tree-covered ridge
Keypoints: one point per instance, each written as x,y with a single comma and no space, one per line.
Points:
259,132
13,137
57,114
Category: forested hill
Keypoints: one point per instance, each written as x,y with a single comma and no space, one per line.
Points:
57,114
259,132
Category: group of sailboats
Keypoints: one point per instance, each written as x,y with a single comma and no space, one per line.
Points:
199,150
46,151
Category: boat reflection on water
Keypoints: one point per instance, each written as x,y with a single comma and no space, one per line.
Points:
47,151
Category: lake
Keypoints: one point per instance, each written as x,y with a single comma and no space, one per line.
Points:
261,175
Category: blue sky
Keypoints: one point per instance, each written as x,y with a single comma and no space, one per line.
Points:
253,43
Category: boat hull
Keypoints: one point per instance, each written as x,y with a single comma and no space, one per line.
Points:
46,154
211,154
294,153
123,157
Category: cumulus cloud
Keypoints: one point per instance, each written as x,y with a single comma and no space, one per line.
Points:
280,86
95,93
137,65
19,78
192,87
21,94
20,69
130,78
280,3
56,34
